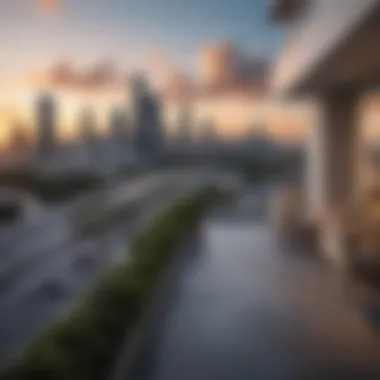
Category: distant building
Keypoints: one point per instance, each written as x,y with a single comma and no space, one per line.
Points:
223,65
46,120
19,139
185,126
89,135
257,137
120,137
119,126
148,138
208,132
219,64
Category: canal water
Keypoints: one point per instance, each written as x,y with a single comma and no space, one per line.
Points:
243,307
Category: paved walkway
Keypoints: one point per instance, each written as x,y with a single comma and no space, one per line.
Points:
242,308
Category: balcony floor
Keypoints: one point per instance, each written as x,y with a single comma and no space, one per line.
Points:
242,307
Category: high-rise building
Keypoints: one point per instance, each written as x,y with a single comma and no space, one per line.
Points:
119,126
256,135
119,136
208,132
148,137
89,136
46,118
87,124
219,64
19,140
256,140
185,125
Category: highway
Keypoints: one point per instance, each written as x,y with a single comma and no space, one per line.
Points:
49,272
25,244
15,237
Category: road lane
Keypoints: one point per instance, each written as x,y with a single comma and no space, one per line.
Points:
40,239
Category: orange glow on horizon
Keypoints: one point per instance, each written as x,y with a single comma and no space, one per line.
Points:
232,117
233,113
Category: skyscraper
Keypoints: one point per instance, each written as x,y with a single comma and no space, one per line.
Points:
88,132
185,125
119,136
219,64
208,132
46,120
148,124
19,141
119,126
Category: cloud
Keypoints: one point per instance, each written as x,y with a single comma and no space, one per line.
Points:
48,6
179,87
223,69
66,75
172,82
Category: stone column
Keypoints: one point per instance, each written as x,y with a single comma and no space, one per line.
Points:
313,170
333,176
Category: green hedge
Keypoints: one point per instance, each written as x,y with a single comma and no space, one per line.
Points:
84,345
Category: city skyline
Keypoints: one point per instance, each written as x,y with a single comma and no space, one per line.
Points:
85,51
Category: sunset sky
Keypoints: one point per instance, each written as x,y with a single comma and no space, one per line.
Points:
85,50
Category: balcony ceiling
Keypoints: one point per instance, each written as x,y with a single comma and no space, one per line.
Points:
285,10
337,46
